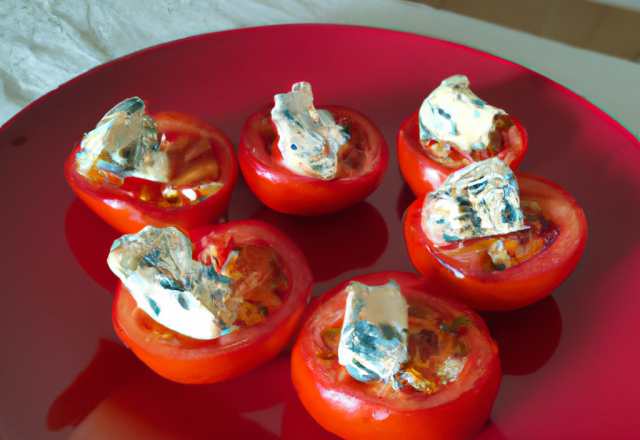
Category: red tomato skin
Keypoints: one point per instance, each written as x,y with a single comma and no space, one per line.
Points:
422,174
520,285
290,193
453,416
239,352
129,214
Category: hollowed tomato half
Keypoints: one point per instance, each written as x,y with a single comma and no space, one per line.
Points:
134,203
276,287
549,251
362,164
440,329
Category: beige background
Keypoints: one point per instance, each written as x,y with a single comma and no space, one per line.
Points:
609,27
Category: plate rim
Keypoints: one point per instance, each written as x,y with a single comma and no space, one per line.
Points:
187,39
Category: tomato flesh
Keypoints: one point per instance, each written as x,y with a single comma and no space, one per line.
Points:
538,260
363,162
442,331
203,172
480,253
426,165
274,289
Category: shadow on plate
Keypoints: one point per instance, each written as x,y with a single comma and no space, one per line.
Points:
527,337
90,239
116,396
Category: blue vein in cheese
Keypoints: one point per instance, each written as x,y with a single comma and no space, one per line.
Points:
373,341
310,139
479,200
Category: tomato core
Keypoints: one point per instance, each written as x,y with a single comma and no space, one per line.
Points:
260,282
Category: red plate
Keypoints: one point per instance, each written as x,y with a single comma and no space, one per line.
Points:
570,361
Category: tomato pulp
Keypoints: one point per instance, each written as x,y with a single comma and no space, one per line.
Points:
361,167
424,175
133,204
356,410
281,293
464,268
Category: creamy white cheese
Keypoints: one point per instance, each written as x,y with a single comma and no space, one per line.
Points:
180,293
453,113
451,368
373,341
479,200
309,139
123,144
499,255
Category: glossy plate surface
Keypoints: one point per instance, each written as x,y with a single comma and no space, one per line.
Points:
570,361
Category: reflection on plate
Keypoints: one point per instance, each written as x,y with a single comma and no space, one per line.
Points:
90,240
574,377
334,243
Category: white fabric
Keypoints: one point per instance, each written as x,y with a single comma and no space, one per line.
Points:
44,43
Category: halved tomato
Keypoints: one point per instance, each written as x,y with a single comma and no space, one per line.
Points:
360,171
136,202
448,409
276,286
424,175
549,251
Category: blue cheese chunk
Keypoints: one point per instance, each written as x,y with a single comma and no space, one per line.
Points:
309,139
479,200
123,144
373,342
453,113
180,293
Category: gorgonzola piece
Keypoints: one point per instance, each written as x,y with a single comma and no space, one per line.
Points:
373,342
180,293
479,200
310,139
123,144
453,113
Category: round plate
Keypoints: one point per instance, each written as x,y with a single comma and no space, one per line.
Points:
570,361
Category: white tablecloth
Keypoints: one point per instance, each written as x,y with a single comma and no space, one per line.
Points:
44,43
